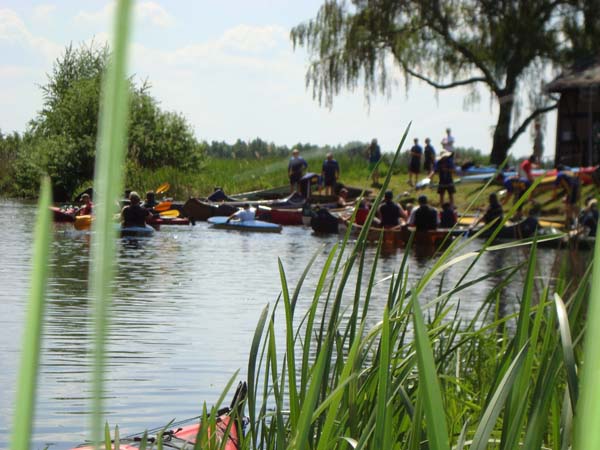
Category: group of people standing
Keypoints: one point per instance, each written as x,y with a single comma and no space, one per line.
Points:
330,172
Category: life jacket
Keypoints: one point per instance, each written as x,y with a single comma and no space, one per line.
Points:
425,218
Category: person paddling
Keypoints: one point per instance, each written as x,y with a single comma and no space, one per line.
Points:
86,208
244,215
134,214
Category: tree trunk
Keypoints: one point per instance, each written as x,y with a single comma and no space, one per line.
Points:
502,132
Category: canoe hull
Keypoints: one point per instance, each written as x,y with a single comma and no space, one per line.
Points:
259,226
136,231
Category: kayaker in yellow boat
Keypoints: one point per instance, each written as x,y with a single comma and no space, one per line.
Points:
86,208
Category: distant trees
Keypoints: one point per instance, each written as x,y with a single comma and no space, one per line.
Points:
61,139
508,47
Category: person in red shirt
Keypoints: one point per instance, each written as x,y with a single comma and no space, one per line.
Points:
527,166
86,208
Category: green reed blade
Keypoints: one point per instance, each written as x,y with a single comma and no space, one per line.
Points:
110,157
33,325
437,431
497,402
382,432
252,373
568,352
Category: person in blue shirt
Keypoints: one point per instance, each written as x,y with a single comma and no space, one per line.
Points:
566,180
414,164
429,154
330,173
444,167
296,168
516,186
374,155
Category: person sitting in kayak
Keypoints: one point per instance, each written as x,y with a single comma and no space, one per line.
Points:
341,201
493,213
448,216
244,215
423,217
390,213
150,201
134,214
86,208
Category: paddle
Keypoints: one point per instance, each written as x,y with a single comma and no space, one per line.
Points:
163,188
163,206
171,213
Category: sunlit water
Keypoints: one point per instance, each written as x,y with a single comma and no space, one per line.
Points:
186,305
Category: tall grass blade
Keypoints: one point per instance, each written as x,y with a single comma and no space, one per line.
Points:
382,432
568,352
492,411
108,186
437,430
252,372
32,338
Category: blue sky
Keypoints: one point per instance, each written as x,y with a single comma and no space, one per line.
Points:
229,68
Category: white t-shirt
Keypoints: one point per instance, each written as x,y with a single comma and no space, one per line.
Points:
448,143
246,214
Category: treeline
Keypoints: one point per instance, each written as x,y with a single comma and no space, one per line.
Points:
61,140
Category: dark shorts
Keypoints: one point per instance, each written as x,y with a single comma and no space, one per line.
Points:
414,167
446,188
428,166
295,178
329,181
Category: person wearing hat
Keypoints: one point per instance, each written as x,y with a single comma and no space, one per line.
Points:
296,168
86,207
423,217
330,172
341,201
134,215
444,168
390,213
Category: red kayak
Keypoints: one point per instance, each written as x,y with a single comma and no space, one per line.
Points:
185,434
156,222
281,216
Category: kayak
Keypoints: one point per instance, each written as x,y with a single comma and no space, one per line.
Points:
246,225
63,214
184,434
158,221
136,231
83,222
281,216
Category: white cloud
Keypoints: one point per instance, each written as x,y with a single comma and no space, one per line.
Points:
43,11
145,12
245,38
14,31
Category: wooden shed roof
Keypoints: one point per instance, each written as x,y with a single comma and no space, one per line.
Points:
581,75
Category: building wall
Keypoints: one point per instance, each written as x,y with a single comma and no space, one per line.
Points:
578,127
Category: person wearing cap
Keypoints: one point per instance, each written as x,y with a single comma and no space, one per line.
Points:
444,168
423,217
374,155
341,201
296,168
414,164
246,214
330,172
566,180
134,215
86,207
390,213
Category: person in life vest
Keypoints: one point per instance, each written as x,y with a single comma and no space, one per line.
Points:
390,213
86,207
424,217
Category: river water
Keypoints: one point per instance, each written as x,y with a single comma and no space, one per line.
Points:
186,303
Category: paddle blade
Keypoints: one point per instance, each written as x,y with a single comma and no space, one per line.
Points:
163,188
83,222
163,206
171,213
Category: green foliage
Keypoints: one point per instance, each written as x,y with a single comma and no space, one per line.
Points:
61,140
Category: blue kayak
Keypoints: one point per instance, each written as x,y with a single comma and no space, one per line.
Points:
136,231
246,225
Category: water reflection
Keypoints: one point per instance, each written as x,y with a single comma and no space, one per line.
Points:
186,303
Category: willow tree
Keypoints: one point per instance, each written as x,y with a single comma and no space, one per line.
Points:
511,48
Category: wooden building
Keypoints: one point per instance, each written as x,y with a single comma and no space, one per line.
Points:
578,127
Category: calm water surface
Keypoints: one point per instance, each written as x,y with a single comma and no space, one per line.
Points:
186,305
